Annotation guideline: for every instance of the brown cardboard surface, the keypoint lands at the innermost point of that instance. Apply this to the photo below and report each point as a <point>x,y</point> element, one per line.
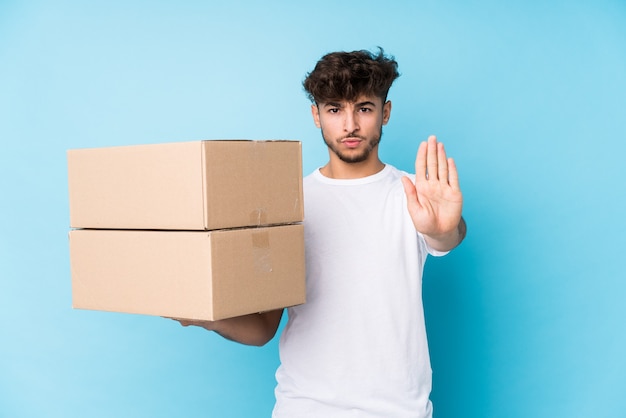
<point>206,275</point>
<point>200,185</point>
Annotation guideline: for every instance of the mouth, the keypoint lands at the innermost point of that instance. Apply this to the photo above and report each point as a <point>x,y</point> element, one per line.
<point>351,142</point>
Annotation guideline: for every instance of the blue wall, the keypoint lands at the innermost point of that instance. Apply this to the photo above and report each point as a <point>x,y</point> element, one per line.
<point>526,318</point>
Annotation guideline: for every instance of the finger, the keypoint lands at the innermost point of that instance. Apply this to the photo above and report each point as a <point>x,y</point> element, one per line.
<point>453,175</point>
<point>420,162</point>
<point>431,158</point>
<point>442,163</point>
<point>411,193</point>
<point>181,321</point>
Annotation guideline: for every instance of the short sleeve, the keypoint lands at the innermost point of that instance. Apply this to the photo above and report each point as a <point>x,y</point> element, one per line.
<point>430,250</point>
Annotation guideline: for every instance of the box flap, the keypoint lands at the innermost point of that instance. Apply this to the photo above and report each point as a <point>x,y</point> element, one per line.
<point>252,183</point>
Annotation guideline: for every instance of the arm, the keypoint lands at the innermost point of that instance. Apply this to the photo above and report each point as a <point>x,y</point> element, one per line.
<point>435,201</point>
<point>254,329</point>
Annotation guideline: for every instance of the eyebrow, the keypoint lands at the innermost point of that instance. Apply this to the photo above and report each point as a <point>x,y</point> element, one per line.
<point>366,103</point>
<point>360,104</point>
<point>332,104</point>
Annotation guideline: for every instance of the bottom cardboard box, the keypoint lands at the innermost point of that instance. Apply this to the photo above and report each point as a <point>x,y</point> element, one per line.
<point>207,275</point>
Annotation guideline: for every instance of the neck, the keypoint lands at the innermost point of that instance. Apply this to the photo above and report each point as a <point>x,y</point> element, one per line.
<point>338,169</point>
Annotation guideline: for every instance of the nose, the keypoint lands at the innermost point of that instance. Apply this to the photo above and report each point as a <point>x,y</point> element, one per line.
<point>351,122</point>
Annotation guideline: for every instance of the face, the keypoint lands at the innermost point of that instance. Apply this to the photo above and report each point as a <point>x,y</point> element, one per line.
<point>352,130</point>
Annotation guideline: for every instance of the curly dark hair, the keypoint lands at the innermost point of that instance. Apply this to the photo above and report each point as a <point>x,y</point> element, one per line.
<point>348,75</point>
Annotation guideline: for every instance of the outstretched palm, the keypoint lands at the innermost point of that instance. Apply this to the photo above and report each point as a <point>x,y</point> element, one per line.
<point>435,200</point>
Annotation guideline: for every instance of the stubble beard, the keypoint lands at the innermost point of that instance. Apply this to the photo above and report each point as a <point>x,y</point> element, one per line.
<point>353,157</point>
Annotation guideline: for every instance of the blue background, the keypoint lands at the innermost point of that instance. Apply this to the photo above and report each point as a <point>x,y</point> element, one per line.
<point>525,319</point>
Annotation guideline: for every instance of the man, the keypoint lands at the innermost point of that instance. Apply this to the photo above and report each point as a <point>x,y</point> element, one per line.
<point>358,346</point>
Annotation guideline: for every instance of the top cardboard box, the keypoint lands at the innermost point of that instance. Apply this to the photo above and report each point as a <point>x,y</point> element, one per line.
<point>200,185</point>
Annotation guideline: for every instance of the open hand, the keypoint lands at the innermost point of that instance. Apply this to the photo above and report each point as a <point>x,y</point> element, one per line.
<point>435,201</point>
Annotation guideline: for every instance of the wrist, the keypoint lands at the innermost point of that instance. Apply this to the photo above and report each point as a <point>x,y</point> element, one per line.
<point>448,240</point>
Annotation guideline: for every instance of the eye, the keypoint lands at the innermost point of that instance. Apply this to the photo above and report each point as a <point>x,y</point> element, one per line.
<point>365,109</point>
<point>333,110</point>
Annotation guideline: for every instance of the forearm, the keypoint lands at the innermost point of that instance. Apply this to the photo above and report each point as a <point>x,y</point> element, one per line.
<point>450,240</point>
<point>253,329</point>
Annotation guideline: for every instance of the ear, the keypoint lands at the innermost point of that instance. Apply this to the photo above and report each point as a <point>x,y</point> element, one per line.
<point>386,112</point>
<point>315,111</point>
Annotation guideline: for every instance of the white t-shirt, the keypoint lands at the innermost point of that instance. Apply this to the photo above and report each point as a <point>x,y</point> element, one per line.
<point>357,347</point>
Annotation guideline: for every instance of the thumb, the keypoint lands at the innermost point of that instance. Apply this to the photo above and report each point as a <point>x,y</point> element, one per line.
<point>410,192</point>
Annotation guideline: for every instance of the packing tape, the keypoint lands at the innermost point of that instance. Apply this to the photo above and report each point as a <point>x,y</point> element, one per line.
<point>258,217</point>
<point>262,252</point>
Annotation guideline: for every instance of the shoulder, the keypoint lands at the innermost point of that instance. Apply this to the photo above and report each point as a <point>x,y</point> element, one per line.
<point>393,180</point>
<point>311,176</point>
<point>311,179</point>
<point>396,173</point>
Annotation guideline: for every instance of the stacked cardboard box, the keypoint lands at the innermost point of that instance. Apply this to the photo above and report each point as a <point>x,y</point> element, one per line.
<point>197,230</point>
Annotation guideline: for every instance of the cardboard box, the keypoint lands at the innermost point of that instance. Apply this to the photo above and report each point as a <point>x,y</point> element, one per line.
<point>200,185</point>
<point>205,275</point>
